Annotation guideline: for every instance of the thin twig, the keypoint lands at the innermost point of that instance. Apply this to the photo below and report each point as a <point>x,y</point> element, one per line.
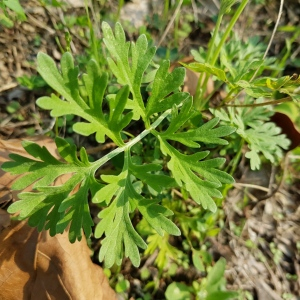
<point>170,23</point>
<point>281,181</point>
<point>272,36</point>
<point>252,186</point>
<point>275,28</point>
<point>287,99</point>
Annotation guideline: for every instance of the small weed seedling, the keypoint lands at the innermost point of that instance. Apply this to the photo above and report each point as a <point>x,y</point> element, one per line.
<point>210,288</point>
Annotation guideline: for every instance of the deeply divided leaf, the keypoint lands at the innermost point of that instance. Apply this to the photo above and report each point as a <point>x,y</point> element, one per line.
<point>121,52</point>
<point>89,108</point>
<point>53,207</point>
<point>201,179</point>
<point>121,238</point>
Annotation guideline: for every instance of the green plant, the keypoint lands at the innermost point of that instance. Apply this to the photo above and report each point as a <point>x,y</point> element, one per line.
<point>166,114</point>
<point>211,287</point>
<point>252,115</point>
<point>241,69</point>
<point>6,18</point>
<point>33,82</point>
<point>255,129</point>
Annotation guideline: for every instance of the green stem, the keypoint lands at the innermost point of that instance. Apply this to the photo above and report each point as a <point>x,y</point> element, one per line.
<point>217,52</point>
<point>199,89</point>
<point>166,10</point>
<point>93,39</point>
<point>121,4</point>
<point>229,97</point>
<point>212,42</point>
<point>228,30</point>
<point>98,163</point>
<point>237,158</point>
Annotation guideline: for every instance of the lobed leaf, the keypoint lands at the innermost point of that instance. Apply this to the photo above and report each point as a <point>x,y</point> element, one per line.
<point>179,119</point>
<point>164,84</point>
<point>57,106</point>
<point>118,230</point>
<point>66,82</point>
<point>155,215</point>
<point>58,207</point>
<point>140,57</point>
<point>90,109</point>
<point>265,139</point>
<point>262,137</point>
<point>116,223</point>
<point>76,213</point>
<point>53,207</point>
<point>156,181</point>
<point>205,133</point>
<point>254,90</point>
<point>185,169</point>
<point>206,67</point>
<point>95,83</point>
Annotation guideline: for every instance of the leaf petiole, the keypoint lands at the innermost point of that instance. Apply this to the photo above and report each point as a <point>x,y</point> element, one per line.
<point>98,163</point>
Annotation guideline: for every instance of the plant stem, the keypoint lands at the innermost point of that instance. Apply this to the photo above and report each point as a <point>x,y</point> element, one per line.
<point>200,86</point>
<point>93,39</point>
<point>98,163</point>
<point>166,10</point>
<point>216,52</point>
<point>121,4</point>
<point>228,30</point>
<point>273,102</point>
<point>237,157</point>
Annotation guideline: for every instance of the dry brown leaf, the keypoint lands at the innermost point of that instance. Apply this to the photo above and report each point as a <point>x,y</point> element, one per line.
<point>287,127</point>
<point>4,219</point>
<point>36,266</point>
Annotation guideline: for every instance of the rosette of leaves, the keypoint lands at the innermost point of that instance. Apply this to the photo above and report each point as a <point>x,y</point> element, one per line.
<point>66,206</point>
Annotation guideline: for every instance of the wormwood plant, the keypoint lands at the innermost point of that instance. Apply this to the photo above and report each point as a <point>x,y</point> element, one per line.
<point>239,68</point>
<point>250,113</point>
<point>167,115</point>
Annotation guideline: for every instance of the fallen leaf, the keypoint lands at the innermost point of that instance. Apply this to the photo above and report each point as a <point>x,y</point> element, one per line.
<point>4,219</point>
<point>35,265</point>
<point>287,127</point>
